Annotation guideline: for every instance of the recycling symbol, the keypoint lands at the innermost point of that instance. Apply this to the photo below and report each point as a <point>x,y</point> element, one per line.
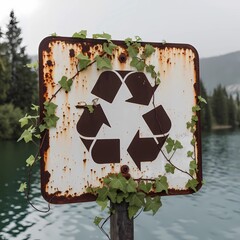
<point>140,149</point>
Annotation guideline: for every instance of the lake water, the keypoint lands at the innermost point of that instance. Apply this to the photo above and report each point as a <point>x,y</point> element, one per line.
<point>211,214</point>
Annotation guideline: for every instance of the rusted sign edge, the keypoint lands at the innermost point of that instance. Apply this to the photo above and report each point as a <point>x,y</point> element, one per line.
<point>55,198</point>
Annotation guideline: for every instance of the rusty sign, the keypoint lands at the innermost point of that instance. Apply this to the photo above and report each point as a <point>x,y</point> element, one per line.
<point>117,117</point>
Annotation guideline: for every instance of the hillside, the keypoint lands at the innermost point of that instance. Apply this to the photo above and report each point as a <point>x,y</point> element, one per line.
<point>224,70</point>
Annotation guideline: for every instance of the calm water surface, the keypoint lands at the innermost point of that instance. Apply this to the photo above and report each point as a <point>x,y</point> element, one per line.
<point>211,214</point>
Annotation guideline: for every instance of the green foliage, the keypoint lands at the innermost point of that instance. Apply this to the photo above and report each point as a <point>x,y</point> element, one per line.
<point>50,119</point>
<point>30,161</point>
<point>27,135</point>
<point>23,187</point>
<point>169,168</point>
<point>22,81</point>
<point>9,126</point>
<point>82,34</point>
<point>161,184</point>
<point>138,64</point>
<point>118,189</point>
<point>65,83</point>
<point>192,184</point>
<point>106,36</point>
<point>103,63</point>
<point>172,145</point>
<point>84,61</point>
<point>109,48</point>
<point>148,51</point>
<point>97,220</point>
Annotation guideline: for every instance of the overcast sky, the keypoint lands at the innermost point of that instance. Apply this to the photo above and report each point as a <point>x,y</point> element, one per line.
<point>211,26</point>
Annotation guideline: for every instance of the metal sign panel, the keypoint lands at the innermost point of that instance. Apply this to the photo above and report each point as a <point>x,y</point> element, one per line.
<point>130,119</point>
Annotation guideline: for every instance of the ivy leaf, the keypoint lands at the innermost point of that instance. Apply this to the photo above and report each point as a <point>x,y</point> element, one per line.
<point>119,182</point>
<point>22,187</point>
<point>145,187</point>
<point>192,183</point>
<point>54,34</point>
<point>82,34</point>
<point>104,35</point>
<point>152,204</point>
<point>83,61</point>
<point>33,65</point>
<point>97,220</point>
<point>189,154</point>
<point>90,108</point>
<point>24,120</point>
<point>202,100</point>
<point>109,48</point>
<point>50,108</point>
<point>150,69</point>
<point>170,144</point>
<point>132,211</point>
<point>169,168</point>
<point>112,194</point>
<point>121,196</point>
<point>66,84</point>
<point>42,127</point>
<point>35,107</point>
<point>27,134</point>
<point>136,199</point>
<point>103,62</point>
<point>194,118</point>
<point>30,161</point>
<point>161,184</point>
<point>196,108</point>
<point>158,81</point>
<point>51,121</point>
<point>148,51</point>
<point>131,186</point>
<point>193,141</point>
<point>133,50</point>
<point>102,204</point>
<point>138,64</point>
<point>102,193</point>
<point>190,125</point>
<point>177,145</point>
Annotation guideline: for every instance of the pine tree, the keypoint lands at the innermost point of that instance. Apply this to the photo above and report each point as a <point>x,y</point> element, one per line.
<point>22,82</point>
<point>206,113</point>
<point>4,71</point>
<point>232,112</point>
<point>219,105</point>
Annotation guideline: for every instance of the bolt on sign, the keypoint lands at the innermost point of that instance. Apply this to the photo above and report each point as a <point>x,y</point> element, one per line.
<point>112,118</point>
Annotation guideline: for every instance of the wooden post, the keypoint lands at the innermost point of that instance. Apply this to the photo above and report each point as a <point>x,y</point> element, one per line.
<point>121,227</point>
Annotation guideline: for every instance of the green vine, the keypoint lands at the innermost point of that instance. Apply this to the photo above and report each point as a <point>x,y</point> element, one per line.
<point>138,193</point>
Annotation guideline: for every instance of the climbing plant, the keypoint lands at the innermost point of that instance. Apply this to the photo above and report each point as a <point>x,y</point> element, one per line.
<point>138,193</point>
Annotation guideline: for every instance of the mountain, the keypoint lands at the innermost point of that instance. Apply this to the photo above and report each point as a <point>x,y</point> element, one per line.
<point>224,70</point>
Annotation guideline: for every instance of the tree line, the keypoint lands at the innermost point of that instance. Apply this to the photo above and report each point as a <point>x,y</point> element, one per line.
<point>18,83</point>
<point>19,89</point>
<point>222,110</point>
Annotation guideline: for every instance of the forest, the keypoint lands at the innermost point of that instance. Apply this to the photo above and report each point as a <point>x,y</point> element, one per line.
<point>19,89</point>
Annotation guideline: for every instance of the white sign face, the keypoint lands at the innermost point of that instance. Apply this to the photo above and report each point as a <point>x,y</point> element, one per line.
<point>112,118</point>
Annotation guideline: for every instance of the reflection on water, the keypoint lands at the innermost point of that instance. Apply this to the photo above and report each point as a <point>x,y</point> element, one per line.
<point>212,213</point>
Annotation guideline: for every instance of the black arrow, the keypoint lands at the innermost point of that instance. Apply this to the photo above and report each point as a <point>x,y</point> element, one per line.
<point>90,123</point>
<point>140,88</point>
<point>145,149</point>
<point>158,120</point>
<point>106,151</point>
<point>107,86</point>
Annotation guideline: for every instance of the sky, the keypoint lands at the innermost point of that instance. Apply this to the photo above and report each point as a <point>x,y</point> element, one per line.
<point>211,26</point>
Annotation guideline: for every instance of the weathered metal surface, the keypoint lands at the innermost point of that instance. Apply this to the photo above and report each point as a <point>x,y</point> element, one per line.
<point>131,119</point>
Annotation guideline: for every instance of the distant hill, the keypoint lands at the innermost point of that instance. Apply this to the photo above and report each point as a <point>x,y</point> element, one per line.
<point>224,70</point>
